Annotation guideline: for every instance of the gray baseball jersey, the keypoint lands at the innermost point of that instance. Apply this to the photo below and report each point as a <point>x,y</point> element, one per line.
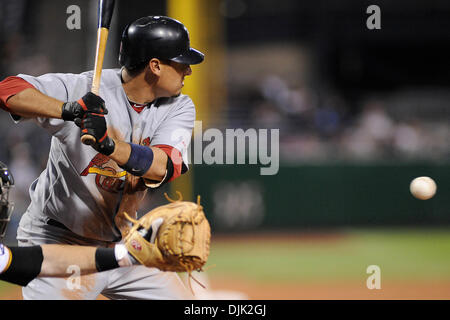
<point>75,189</point>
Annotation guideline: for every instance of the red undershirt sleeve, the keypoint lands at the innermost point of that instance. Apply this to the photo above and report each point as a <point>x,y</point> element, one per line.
<point>174,155</point>
<point>10,87</point>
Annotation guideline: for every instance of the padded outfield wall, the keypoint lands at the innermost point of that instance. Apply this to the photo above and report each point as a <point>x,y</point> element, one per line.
<point>305,197</point>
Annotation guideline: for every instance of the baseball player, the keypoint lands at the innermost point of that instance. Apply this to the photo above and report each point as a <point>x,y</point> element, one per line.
<point>142,124</point>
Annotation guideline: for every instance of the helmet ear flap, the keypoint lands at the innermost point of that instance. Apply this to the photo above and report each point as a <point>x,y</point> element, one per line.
<point>122,54</point>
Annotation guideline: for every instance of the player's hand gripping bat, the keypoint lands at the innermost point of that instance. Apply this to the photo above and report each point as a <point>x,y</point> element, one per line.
<point>105,13</point>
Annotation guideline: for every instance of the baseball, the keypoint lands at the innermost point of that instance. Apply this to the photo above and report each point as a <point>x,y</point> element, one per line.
<point>423,188</point>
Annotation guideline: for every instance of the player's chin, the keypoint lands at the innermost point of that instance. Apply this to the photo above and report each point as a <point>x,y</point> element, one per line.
<point>171,94</point>
<point>177,93</point>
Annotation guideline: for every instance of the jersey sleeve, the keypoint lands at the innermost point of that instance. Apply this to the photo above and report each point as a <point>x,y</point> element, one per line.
<point>64,87</point>
<point>176,130</point>
<point>10,87</point>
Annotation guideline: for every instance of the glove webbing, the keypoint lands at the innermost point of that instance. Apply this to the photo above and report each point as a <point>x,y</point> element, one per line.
<point>188,266</point>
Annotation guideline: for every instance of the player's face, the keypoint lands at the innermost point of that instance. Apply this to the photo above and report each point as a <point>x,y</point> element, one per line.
<point>171,79</point>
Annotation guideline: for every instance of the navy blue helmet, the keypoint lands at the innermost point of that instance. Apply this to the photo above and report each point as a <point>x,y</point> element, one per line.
<point>156,37</point>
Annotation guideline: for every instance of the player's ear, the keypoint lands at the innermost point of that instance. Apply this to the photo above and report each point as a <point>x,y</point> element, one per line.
<point>155,66</point>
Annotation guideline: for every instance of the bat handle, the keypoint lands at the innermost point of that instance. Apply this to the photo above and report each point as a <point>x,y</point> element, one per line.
<point>88,140</point>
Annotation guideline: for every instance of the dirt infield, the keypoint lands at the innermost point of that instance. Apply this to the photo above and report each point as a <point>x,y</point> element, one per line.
<point>334,291</point>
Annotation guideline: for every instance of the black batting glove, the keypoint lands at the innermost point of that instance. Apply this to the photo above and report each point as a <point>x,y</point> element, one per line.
<point>94,124</point>
<point>89,103</point>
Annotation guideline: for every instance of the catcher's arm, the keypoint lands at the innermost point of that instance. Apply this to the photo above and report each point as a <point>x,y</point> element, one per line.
<point>57,258</point>
<point>20,265</point>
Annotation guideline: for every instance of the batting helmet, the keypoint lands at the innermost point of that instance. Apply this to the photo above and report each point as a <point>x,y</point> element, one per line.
<point>6,206</point>
<point>156,37</point>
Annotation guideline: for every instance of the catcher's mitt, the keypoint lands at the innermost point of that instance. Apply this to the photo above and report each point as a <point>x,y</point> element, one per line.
<point>174,237</point>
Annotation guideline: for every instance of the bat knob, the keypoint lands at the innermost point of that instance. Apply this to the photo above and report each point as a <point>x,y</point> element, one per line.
<point>88,140</point>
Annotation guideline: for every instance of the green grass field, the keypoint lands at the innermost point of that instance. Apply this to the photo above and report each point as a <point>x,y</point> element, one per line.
<point>401,255</point>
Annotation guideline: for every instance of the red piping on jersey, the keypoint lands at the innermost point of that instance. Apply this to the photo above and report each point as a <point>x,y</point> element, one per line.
<point>10,87</point>
<point>174,155</point>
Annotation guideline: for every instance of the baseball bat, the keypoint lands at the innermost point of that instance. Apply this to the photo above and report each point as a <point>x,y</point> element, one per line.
<point>105,13</point>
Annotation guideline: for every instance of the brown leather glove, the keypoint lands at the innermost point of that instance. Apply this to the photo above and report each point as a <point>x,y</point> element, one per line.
<point>174,237</point>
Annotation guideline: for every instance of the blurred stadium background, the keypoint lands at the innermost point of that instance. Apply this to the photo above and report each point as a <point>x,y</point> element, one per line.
<point>360,112</point>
